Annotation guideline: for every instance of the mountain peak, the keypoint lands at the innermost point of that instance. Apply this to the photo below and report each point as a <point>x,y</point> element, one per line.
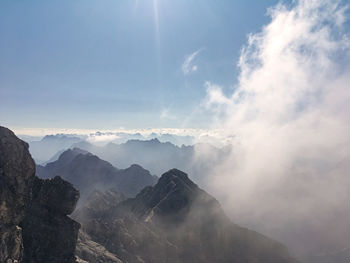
<point>155,140</point>
<point>135,167</point>
<point>88,172</point>
<point>176,221</point>
<point>171,196</point>
<point>177,177</point>
<point>64,159</point>
<point>72,153</point>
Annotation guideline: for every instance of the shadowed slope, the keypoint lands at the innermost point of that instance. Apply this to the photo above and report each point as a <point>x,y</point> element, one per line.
<point>176,221</point>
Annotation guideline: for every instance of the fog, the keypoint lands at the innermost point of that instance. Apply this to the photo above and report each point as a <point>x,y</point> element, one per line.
<point>288,175</point>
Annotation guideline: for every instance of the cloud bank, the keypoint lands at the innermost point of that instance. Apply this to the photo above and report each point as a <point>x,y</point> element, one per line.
<point>288,175</point>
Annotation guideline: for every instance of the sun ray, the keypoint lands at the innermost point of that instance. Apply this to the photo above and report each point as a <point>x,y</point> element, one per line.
<point>156,20</point>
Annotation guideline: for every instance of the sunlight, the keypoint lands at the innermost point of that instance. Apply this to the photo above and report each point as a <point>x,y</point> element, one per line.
<point>156,20</point>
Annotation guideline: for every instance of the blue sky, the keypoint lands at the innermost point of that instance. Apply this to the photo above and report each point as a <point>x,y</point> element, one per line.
<point>118,63</point>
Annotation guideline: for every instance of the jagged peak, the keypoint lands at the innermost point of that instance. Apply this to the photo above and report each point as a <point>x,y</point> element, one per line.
<point>151,141</point>
<point>176,176</point>
<point>173,193</point>
<point>67,156</point>
<point>74,151</point>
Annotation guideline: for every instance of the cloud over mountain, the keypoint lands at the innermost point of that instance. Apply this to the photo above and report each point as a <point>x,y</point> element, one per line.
<point>290,116</point>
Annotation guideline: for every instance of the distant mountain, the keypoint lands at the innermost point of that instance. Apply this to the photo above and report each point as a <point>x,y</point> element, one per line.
<point>173,138</point>
<point>45,149</point>
<point>48,146</point>
<point>88,172</point>
<point>173,221</point>
<point>122,137</point>
<point>199,160</point>
<point>54,158</point>
<point>29,138</point>
<point>157,152</point>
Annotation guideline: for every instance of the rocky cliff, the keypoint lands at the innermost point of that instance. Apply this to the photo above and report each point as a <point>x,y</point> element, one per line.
<point>34,226</point>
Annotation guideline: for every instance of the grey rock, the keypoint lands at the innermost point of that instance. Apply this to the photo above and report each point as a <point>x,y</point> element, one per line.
<point>92,252</point>
<point>56,194</point>
<point>34,226</point>
<point>11,245</point>
<point>17,172</point>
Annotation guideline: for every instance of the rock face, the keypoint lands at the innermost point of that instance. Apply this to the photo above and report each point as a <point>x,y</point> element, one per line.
<point>48,234</point>
<point>17,171</point>
<point>176,221</point>
<point>34,226</point>
<point>93,252</point>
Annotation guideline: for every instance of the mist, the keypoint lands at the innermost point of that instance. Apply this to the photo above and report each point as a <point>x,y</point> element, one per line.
<point>289,115</point>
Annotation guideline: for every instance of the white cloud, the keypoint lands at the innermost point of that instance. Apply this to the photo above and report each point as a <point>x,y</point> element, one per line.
<point>215,97</point>
<point>101,137</point>
<point>111,133</point>
<point>289,173</point>
<point>188,66</point>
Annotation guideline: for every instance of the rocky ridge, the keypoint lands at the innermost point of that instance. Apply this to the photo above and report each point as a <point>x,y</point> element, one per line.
<point>176,221</point>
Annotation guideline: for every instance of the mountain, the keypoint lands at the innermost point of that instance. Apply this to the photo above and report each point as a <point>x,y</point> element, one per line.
<point>87,173</point>
<point>48,146</point>
<point>199,160</point>
<point>173,138</point>
<point>102,138</point>
<point>34,226</point>
<point>29,138</point>
<point>175,221</point>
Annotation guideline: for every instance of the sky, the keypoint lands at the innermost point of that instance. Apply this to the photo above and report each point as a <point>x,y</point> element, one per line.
<point>113,64</point>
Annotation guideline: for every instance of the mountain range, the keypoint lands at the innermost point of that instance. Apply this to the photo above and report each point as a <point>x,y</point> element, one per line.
<point>44,149</point>
<point>87,173</point>
<point>48,148</point>
<point>170,221</point>
<point>198,160</point>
